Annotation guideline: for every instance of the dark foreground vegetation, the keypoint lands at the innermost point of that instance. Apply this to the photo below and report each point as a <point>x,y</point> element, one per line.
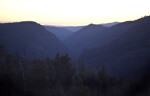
<point>58,77</point>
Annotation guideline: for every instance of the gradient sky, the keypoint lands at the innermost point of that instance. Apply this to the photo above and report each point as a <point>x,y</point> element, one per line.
<point>72,12</point>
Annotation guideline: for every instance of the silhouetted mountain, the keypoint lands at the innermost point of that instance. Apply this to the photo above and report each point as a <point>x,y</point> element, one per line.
<point>29,39</point>
<point>77,28</point>
<point>110,24</point>
<point>61,33</point>
<point>95,35</point>
<point>84,38</point>
<point>128,54</point>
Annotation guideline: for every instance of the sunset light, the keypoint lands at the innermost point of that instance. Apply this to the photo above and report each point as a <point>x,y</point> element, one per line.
<point>72,12</point>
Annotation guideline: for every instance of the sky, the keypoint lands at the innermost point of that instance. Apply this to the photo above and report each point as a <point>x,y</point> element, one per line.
<point>72,12</point>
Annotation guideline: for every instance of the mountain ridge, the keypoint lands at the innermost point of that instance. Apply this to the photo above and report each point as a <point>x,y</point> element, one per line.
<point>128,54</point>
<point>78,40</point>
<point>31,39</point>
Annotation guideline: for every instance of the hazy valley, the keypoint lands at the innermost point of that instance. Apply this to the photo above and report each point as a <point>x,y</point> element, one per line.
<point>92,60</point>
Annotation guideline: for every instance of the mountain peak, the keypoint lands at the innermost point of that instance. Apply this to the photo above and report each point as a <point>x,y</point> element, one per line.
<point>91,24</point>
<point>22,22</point>
<point>30,39</point>
<point>94,25</point>
<point>29,22</point>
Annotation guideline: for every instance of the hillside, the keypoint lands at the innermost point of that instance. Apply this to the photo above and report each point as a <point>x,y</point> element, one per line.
<point>29,39</point>
<point>128,54</point>
<point>95,35</point>
<point>60,33</point>
<point>82,38</point>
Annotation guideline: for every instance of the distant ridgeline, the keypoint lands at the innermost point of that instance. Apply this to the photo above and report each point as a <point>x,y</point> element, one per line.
<point>61,33</point>
<point>123,48</point>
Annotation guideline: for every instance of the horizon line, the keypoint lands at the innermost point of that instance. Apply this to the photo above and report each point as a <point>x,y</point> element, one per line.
<point>71,25</point>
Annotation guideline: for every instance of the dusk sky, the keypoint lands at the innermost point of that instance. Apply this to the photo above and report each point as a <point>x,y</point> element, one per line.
<point>72,12</point>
